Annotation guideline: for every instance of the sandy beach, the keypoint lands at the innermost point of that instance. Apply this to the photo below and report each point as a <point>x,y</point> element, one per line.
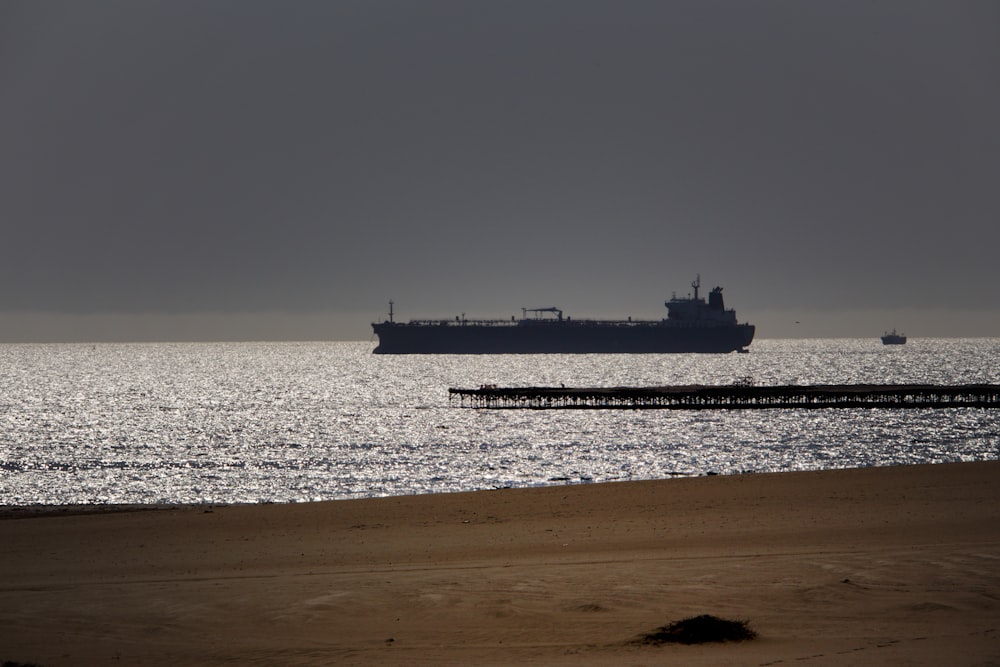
<point>878,566</point>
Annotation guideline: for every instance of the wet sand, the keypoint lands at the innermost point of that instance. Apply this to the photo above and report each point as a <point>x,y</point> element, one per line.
<point>878,566</point>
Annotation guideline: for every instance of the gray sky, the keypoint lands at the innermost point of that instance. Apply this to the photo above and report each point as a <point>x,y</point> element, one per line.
<point>252,169</point>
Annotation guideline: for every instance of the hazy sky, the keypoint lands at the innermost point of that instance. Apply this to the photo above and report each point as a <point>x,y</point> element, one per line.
<point>249,169</point>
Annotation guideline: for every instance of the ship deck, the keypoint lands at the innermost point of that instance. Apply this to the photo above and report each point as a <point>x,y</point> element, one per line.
<point>742,395</point>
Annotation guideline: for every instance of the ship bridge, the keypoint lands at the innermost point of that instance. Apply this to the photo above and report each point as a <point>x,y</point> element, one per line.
<point>694,308</point>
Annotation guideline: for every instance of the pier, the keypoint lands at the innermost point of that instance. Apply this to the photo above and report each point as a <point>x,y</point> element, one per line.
<point>743,395</point>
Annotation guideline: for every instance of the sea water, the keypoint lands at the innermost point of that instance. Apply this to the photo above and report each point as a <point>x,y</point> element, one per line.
<point>290,422</point>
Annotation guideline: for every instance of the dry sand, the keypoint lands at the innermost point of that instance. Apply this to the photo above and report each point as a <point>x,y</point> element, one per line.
<point>880,566</point>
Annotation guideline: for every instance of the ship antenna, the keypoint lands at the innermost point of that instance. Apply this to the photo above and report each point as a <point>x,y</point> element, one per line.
<point>696,284</point>
<point>390,310</point>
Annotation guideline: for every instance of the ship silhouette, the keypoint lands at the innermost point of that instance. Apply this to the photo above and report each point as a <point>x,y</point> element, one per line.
<point>692,325</point>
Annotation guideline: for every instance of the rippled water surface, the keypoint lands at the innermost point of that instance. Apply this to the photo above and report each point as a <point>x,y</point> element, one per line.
<point>274,422</point>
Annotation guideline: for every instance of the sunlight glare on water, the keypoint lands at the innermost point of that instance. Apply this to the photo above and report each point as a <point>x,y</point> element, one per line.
<point>279,422</point>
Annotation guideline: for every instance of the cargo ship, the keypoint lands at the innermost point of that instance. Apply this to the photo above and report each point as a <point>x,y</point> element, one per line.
<point>692,325</point>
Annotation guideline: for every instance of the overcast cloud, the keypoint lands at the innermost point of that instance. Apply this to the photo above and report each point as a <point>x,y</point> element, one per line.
<point>280,170</point>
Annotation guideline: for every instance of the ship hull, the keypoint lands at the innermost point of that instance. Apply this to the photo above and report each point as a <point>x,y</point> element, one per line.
<point>560,338</point>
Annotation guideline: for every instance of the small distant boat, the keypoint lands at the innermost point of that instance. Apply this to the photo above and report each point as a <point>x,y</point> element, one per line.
<point>893,338</point>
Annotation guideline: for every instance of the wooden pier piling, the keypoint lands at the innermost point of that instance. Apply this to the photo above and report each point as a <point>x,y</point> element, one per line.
<point>739,396</point>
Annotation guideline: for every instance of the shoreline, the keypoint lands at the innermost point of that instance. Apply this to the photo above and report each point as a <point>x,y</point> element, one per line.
<point>42,510</point>
<point>887,565</point>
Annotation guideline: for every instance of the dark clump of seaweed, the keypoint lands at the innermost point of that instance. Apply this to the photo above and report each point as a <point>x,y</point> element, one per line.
<point>699,630</point>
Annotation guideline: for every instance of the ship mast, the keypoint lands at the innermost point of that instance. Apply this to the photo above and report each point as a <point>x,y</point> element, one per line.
<point>390,310</point>
<point>696,284</point>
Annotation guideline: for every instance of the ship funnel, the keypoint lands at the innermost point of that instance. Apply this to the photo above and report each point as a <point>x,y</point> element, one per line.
<point>715,299</point>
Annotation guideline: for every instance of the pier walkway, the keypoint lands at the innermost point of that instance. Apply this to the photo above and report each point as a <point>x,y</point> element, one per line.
<point>740,396</point>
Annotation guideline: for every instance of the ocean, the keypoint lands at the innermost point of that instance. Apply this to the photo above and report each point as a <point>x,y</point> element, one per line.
<point>296,422</point>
